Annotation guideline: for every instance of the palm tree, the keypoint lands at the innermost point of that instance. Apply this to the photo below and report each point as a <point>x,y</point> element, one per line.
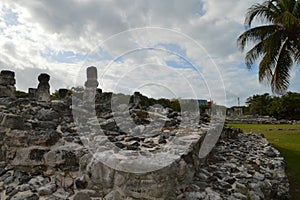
<point>276,42</point>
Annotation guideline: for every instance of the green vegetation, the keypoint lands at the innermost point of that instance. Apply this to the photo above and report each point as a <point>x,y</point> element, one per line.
<point>21,94</point>
<point>55,94</point>
<point>286,138</point>
<point>276,41</point>
<point>284,107</point>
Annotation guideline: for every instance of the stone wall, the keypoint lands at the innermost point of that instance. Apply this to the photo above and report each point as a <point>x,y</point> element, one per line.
<point>247,119</point>
<point>43,156</point>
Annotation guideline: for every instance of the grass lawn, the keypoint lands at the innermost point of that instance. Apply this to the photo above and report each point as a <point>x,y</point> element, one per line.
<point>286,138</point>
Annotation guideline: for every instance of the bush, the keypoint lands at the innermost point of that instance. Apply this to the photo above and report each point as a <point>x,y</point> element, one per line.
<point>21,94</point>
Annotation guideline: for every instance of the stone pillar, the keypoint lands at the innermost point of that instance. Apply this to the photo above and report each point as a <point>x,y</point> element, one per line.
<point>137,100</point>
<point>32,93</point>
<point>43,90</point>
<point>7,84</point>
<point>63,93</point>
<point>90,85</point>
<point>92,76</point>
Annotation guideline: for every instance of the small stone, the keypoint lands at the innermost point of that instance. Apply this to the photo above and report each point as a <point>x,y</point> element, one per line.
<point>254,196</point>
<point>230,180</point>
<point>22,196</point>
<point>12,121</point>
<point>195,195</point>
<point>24,187</point>
<point>259,176</point>
<point>82,196</point>
<point>47,189</point>
<point>9,190</point>
<point>113,195</point>
<point>202,176</point>
<point>212,194</point>
<point>270,153</point>
<point>120,145</point>
<point>162,140</point>
<point>81,183</point>
<point>240,196</point>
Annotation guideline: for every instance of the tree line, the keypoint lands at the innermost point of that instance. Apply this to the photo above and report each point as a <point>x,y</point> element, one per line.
<point>280,107</point>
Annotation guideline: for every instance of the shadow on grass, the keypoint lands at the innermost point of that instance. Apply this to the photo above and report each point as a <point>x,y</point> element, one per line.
<point>293,171</point>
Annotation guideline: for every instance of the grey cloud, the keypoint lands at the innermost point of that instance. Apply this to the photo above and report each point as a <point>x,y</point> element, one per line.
<point>80,25</point>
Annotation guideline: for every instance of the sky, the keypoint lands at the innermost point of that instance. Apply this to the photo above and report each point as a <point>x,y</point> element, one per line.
<point>171,48</point>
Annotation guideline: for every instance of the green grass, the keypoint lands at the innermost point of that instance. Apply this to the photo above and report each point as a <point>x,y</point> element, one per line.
<point>286,138</point>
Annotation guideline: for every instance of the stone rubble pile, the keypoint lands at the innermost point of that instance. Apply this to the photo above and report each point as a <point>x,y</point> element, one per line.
<point>241,166</point>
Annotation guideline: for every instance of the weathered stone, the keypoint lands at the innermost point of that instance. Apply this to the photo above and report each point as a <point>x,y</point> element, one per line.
<point>63,93</point>
<point>82,196</point>
<point>81,183</point>
<point>32,93</point>
<point>12,121</point>
<point>7,84</point>
<point>47,115</point>
<point>92,75</point>
<point>43,89</point>
<point>47,189</point>
<point>44,125</point>
<point>27,196</point>
<point>18,138</point>
<point>101,174</point>
<point>113,195</point>
<point>7,91</point>
<point>32,156</point>
<point>64,158</point>
<point>7,77</point>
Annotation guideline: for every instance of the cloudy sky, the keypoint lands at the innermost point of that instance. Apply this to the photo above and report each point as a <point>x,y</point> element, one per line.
<point>170,48</point>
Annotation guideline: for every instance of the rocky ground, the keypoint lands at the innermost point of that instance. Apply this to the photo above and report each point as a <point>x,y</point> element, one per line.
<point>43,157</point>
<point>241,166</point>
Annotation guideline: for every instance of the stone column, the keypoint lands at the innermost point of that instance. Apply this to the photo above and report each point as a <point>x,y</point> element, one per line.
<point>137,100</point>
<point>32,93</point>
<point>7,84</point>
<point>43,90</point>
<point>63,93</point>
<point>90,85</point>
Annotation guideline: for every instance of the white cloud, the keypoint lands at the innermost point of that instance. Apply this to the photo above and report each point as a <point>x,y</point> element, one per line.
<point>47,28</point>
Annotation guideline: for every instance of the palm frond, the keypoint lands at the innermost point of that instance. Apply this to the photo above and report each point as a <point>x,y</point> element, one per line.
<point>287,18</point>
<point>272,47</point>
<point>277,43</point>
<point>296,10</point>
<point>253,54</point>
<point>281,74</point>
<point>255,34</point>
<point>266,11</point>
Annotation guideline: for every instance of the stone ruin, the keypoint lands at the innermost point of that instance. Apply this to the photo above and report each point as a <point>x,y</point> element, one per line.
<point>7,84</point>
<point>63,93</point>
<point>63,149</point>
<point>91,85</point>
<point>43,89</point>
<point>42,92</point>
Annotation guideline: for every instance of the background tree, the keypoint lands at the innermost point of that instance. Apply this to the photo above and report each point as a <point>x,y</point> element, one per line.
<point>284,107</point>
<point>259,103</point>
<point>276,42</point>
